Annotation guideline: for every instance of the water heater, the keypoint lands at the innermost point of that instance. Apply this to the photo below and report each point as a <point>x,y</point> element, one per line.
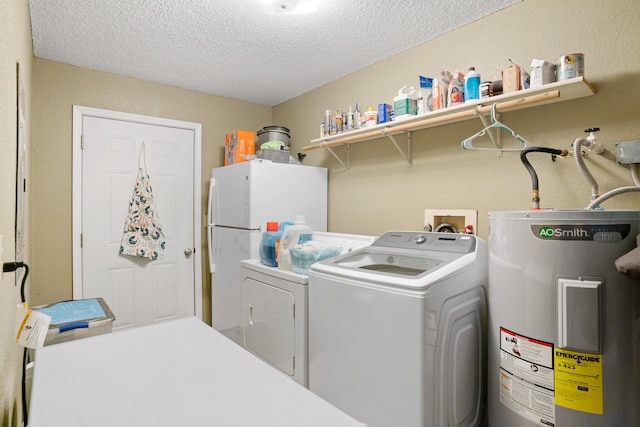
<point>564,324</point>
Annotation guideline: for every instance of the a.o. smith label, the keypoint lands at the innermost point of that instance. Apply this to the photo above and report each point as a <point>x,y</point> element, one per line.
<point>604,233</point>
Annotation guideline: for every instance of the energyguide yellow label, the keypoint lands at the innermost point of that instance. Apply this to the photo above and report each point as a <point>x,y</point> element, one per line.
<point>578,380</point>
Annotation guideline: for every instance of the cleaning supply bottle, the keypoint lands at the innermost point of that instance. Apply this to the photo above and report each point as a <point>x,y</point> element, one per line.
<point>471,85</point>
<point>406,103</point>
<point>269,245</point>
<point>436,95</point>
<point>294,234</point>
<point>425,101</point>
<point>456,90</point>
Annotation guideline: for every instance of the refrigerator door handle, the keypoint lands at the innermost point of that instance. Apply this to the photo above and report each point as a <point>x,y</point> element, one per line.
<point>212,265</point>
<point>213,243</point>
<point>210,219</point>
<point>210,204</point>
<point>231,227</point>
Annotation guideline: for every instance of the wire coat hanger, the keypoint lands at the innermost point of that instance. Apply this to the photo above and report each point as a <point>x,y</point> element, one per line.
<point>467,143</point>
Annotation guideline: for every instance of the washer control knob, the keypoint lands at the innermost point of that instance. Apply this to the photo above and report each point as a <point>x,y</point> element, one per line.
<point>420,239</point>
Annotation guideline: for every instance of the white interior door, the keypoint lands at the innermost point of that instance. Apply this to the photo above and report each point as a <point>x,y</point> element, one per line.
<point>137,290</point>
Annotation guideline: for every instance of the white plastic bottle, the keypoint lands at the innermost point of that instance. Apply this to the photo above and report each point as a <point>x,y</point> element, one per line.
<point>471,85</point>
<point>299,232</point>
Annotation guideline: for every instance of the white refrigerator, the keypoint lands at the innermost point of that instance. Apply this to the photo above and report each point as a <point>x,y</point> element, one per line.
<point>242,198</point>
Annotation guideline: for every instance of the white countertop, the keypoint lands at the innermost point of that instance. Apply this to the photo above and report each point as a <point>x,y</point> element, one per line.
<point>175,373</point>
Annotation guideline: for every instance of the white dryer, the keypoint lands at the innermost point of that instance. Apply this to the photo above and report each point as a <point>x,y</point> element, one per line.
<point>397,330</point>
<point>275,326</point>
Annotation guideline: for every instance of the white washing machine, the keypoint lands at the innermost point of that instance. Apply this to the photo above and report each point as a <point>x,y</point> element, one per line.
<point>397,330</point>
<point>275,326</point>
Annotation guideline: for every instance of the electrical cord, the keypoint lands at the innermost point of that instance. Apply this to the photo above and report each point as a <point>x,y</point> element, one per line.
<point>10,267</point>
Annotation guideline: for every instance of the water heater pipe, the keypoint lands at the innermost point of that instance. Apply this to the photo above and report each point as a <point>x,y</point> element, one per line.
<point>578,143</point>
<point>534,176</point>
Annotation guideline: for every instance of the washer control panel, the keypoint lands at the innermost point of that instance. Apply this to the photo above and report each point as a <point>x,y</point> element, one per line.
<point>424,241</point>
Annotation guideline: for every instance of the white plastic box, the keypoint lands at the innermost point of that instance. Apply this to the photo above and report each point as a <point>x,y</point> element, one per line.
<point>76,319</point>
<point>278,156</point>
<point>542,72</point>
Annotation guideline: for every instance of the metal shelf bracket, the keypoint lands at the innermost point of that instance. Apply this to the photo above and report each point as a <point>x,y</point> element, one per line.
<point>406,156</point>
<point>344,165</point>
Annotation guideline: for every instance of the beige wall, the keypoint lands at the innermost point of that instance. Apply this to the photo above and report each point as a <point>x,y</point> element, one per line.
<point>56,88</point>
<point>381,193</point>
<point>15,47</point>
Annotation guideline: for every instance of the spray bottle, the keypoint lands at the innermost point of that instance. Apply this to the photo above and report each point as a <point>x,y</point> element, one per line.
<point>456,89</point>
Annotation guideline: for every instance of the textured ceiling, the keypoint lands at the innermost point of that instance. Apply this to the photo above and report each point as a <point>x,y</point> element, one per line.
<point>237,49</point>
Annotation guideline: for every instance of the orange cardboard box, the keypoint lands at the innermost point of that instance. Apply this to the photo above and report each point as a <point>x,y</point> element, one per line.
<point>511,79</point>
<point>237,144</point>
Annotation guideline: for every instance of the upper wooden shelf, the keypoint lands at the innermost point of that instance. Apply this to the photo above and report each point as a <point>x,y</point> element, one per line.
<point>564,90</point>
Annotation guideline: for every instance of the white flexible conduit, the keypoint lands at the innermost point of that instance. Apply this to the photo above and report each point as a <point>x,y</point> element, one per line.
<point>620,190</point>
<point>577,153</point>
<point>634,174</point>
<point>610,194</point>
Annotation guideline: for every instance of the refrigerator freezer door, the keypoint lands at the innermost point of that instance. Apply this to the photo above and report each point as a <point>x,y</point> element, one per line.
<point>280,192</point>
<point>230,196</point>
<point>251,193</point>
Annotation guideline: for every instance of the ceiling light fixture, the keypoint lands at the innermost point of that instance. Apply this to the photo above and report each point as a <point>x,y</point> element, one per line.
<point>290,7</point>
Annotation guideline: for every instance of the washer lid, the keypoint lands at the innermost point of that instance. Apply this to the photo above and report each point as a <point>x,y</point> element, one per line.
<point>393,262</point>
<point>405,259</point>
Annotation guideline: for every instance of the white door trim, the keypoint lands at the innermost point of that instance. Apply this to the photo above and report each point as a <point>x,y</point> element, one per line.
<point>78,113</point>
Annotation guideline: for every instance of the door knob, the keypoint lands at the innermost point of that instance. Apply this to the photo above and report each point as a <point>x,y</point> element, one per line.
<point>188,252</point>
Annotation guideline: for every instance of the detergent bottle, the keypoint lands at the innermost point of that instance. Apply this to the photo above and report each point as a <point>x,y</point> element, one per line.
<point>456,90</point>
<point>406,103</point>
<point>471,85</point>
<point>269,245</point>
<point>292,235</point>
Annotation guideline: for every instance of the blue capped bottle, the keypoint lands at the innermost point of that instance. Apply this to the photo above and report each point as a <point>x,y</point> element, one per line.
<point>471,85</point>
<point>269,245</point>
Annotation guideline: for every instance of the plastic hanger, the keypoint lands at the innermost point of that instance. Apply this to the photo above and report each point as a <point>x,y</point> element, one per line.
<point>467,144</point>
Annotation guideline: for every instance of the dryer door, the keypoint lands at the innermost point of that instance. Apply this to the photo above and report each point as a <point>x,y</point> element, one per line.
<point>269,328</point>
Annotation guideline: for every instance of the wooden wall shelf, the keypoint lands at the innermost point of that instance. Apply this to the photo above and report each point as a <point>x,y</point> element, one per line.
<point>564,90</point>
